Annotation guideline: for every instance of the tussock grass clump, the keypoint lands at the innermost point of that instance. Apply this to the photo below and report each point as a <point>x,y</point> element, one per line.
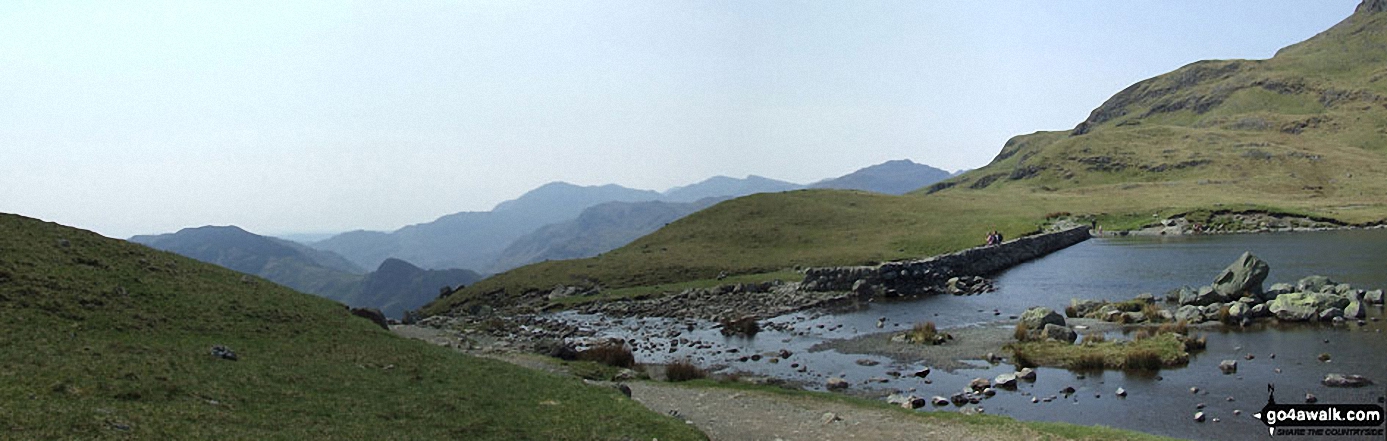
<point>1093,338</point>
<point>925,333</point>
<point>610,354</point>
<point>1143,334</point>
<point>1152,313</point>
<point>684,370</point>
<point>1022,333</point>
<point>1142,359</point>
<point>1088,361</point>
<point>1154,352</point>
<point>1181,327</point>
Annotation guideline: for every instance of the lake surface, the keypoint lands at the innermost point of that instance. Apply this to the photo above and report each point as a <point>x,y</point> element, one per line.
<point>1113,269</point>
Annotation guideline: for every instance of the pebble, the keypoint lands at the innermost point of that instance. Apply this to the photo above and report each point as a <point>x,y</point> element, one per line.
<point>1194,390</point>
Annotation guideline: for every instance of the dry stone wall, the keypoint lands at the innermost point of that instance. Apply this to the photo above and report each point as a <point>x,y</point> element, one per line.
<point>929,275</point>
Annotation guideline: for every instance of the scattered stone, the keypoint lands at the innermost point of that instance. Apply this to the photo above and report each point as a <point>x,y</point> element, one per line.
<point>867,362</point>
<point>922,373</point>
<point>939,401</point>
<point>625,390</point>
<point>1035,400</point>
<point>1036,318</point>
<point>979,384</point>
<point>989,392</point>
<point>1310,398</point>
<point>224,353</point>
<point>1068,390</point>
<point>1199,406</point>
<point>1005,381</point>
<point>1027,374</point>
<point>958,398</point>
<point>1194,390</point>
<point>1121,393</point>
<point>1249,356</point>
<point>1199,417</point>
<point>1237,412</point>
<point>1228,366</point>
<point>829,418</point>
<point>836,383</point>
<point>1341,380</point>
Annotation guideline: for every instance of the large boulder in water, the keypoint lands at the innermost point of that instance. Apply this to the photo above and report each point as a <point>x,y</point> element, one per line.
<point>1036,318</point>
<point>1295,307</point>
<point>1243,277</point>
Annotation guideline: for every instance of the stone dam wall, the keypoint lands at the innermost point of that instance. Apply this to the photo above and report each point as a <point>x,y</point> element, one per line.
<point>930,275</point>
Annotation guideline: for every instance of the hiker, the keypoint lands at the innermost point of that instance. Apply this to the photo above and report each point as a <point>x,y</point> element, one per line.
<point>999,237</point>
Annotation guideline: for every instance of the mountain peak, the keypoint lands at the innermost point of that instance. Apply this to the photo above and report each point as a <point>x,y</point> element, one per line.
<point>1371,7</point>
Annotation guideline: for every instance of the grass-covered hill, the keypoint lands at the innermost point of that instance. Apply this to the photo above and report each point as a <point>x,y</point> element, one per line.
<point>1302,133</point>
<point>108,339</point>
<point>394,287</point>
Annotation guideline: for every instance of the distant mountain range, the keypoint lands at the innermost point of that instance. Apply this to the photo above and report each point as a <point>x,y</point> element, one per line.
<point>519,232</point>
<point>890,177</point>
<point>394,288</point>
<point>553,222</point>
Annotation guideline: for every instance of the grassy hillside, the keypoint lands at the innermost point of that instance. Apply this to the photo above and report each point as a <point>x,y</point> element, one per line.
<point>1302,133</point>
<point>108,339</point>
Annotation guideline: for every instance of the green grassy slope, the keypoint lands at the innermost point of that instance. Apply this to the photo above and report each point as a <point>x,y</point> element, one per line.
<point>107,339</point>
<point>1304,132</point>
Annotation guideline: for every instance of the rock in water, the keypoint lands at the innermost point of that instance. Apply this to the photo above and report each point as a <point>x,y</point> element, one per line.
<point>1314,284</point>
<point>939,401</point>
<point>1294,307</point>
<point>1189,314</point>
<point>1373,297</point>
<point>1122,393</point>
<point>1243,276</point>
<point>1355,310</point>
<point>1341,380</point>
<point>836,383</point>
<point>1199,416</point>
<point>1027,374</point>
<point>1005,381</point>
<point>979,384</point>
<point>1228,366</point>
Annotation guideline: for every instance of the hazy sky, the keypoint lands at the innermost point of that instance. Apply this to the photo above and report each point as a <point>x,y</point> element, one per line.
<point>133,117</point>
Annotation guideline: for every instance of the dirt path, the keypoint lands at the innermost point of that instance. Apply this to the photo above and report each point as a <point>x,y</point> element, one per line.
<point>726,414</point>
